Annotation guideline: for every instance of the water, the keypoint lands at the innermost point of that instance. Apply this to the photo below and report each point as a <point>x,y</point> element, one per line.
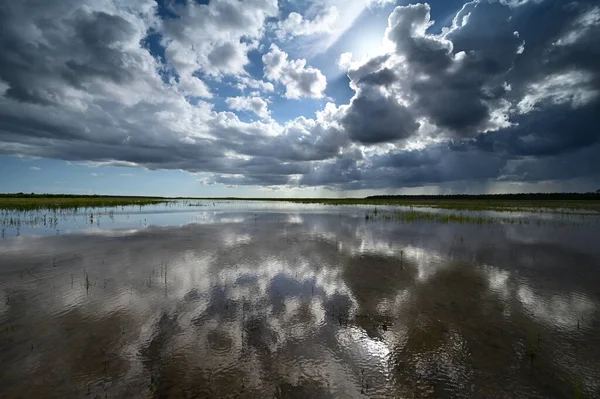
<point>264,300</point>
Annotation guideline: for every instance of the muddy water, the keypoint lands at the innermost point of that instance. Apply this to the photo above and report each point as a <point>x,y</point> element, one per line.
<point>304,302</point>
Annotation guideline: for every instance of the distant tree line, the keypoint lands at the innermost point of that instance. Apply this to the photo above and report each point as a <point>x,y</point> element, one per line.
<point>521,196</point>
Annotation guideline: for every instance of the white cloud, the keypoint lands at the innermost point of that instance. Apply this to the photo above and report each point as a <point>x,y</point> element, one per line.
<point>348,13</point>
<point>215,38</point>
<point>3,87</point>
<point>254,104</point>
<point>245,82</point>
<point>193,86</point>
<point>296,25</point>
<point>572,87</point>
<point>35,168</point>
<point>344,62</point>
<point>518,3</point>
<point>206,181</point>
<point>580,27</point>
<point>299,80</point>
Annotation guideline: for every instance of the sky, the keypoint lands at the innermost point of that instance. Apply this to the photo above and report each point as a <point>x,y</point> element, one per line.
<point>307,98</point>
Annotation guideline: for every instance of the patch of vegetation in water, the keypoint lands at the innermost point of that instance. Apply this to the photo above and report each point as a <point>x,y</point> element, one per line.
<point>415,216</point>
<point>469,205</point>
<point>24,202</point>
<point>559,203</point>
<point>481,219</point>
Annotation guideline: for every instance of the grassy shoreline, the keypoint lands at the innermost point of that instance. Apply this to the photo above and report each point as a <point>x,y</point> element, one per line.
<point>543,203</point>
<point>465,203</point>
<point>32,202</point>
<point>469,204</point>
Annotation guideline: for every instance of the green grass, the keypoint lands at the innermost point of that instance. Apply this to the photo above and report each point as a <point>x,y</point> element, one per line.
<point>553,203</point>
<point>578,203</point>
<point>459,204</point>
<point>32,202</point>
<point>415,216</point>
<point>577,387</point>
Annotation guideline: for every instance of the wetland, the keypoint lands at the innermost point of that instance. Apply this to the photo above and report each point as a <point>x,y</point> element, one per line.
<point>299,299</point>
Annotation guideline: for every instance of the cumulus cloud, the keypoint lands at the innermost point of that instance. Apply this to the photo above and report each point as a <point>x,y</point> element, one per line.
<point>296,25</point>
<point>455,80</point>
<point>215,37</point>
<point>374,118</point>
<point>245,82</point>
<point>52,54</point>
<point>193,86</point>
<point>486,90</point>
<point>345,61</point>
<point>299,79</point>
<point>299,141</point>
<point>253,104</point>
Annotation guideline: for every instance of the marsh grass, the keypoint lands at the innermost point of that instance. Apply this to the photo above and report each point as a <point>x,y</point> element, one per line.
<point>466,203</point>
<point>577,388</point>
<point>481,219</point>
<point>87,282</point>
<point>17,212</point>
<point>532,346</point>
<point>415,216</point>
<point>47,201</point>
<point>554,203</point>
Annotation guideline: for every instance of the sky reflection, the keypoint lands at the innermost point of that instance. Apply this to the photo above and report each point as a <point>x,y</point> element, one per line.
<point>311,304</point>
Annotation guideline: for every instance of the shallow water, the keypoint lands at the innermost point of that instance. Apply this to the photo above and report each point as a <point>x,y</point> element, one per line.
<point>263,300</point>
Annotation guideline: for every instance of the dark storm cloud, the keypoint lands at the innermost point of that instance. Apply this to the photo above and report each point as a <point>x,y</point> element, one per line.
<point>533,88</point>
<point>555,130</point>
<point>46,50</point>
<point>434,164</point>
<point>342,171</point>
<point>383,77</point>
<point>251,180</point>
<point>373,118</point>
<point>300,143</point>
<point>583,163</point>
<point>454,85</point>
<point>487,24</point>
<point>489,57</point>
<point>558,36</point>
<point>406,30</point>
